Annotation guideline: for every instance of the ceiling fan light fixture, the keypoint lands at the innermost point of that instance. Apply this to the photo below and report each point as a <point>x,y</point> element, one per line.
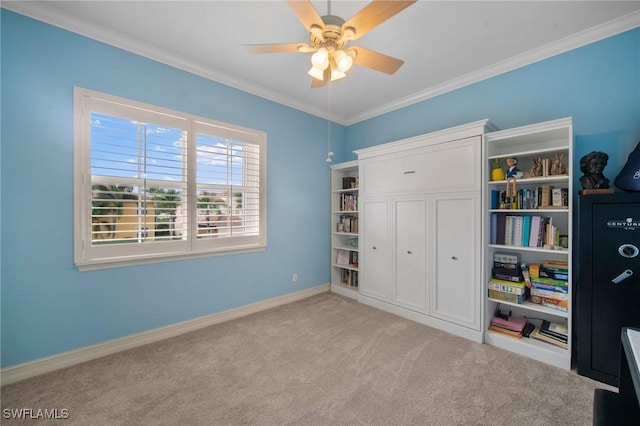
<point>320,59</point>
<point>336,74</point>
<point>316,73</point>
<point>343,61</point>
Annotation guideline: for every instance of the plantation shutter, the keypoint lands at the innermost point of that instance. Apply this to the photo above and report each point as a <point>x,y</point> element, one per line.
<point>138,162</point>
<point>228,185</point>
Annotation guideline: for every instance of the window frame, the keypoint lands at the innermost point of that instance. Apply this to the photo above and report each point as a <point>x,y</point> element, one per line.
<point>88,256</point>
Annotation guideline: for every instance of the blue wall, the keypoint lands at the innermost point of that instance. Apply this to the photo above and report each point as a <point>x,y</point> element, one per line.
<point>598,85</point>
<point>48,307</point>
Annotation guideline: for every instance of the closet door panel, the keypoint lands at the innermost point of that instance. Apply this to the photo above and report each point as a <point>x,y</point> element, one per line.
<point>410,217</point>
<point>455,289</point>
<point>374,249</point>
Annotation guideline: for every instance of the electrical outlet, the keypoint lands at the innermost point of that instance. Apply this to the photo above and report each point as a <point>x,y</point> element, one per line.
<point>295,277</point>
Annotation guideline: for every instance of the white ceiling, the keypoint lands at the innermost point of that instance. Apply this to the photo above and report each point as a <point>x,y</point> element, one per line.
<point>445,44</point>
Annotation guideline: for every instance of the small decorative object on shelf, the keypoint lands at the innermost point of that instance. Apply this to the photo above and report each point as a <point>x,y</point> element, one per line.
<point>536,169</point>
<point>592,165</point>
<point>558,167</point>
<point>496,171</point>
<point>629,177</point>
<point>513,171</point>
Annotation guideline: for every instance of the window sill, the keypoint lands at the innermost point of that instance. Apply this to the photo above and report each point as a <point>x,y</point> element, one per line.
<point>98,264</point>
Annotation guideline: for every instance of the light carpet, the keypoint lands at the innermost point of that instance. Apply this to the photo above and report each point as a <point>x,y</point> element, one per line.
<point>325,360</point>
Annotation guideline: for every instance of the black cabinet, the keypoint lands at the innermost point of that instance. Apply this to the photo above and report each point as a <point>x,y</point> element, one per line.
<point>608,280</point>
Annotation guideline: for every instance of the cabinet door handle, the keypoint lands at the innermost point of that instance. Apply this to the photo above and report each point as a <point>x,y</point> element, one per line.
<point>454,258</point>
<point>409,172</point>
<point>374,247</point>
<point>408,251</point>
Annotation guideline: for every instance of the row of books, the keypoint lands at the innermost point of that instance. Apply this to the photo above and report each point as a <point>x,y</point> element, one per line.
<point>349,278</point>
<point>347,258</point>
<point>524,231</point>
<point>551,332</point>
<point>545,196</point>
<point>348,202</point>
<point>545,284</point>
<point>550,285</point>
<point>517,327</point>
<point>348,224</point>
<point>507,282</point>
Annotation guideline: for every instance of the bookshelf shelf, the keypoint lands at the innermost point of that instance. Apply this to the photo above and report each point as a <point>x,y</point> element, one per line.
<point>549,143</point>
<point>344,215</point>
<point>528,306</point>
<point>531,249</point>
<point>536,180</point>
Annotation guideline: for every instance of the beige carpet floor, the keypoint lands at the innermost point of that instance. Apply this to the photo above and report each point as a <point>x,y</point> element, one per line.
<point>325,360</point>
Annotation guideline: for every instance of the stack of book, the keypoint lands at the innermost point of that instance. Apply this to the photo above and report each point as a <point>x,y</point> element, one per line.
<point>506,283</point>
<point>551,332</point>
<point>508,324</point>
<point>549,284</point>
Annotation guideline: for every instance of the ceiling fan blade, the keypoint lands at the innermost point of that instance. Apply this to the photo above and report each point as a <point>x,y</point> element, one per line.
<point>374,14</point>
<point>275,48</point>
<point>306,13</point>
<point>315,83</point>
<point>377,61</point>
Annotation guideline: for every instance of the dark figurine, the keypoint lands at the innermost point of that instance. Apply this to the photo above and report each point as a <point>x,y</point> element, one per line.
<point>592,165</point>
<point>629,177</point>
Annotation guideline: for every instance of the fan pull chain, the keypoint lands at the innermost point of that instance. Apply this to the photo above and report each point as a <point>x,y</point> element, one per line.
<point>329,152</point>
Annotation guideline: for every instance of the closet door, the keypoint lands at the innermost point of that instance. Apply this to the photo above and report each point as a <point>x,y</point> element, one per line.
<point>409,221</point>
<point>455,232</point>
<point>374,249</point>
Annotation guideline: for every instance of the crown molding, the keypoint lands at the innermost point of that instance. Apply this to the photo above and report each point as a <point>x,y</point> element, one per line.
<point>42,12</point>
<point>583,38</point>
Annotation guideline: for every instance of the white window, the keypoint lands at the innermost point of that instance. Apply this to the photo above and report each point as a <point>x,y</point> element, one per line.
<point>153,184</point>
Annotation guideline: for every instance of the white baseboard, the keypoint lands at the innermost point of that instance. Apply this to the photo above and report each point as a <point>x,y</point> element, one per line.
<point>29,369</point>
<point>458,330</point>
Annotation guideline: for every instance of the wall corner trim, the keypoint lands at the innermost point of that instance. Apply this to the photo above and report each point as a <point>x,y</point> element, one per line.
<point>48,364</point>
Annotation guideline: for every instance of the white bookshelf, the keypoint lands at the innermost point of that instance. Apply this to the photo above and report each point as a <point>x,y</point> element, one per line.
<point>542,140</point>
<point>344,229</point>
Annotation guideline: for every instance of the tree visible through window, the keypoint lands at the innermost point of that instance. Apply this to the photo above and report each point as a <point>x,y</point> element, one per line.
<point>155,183</point>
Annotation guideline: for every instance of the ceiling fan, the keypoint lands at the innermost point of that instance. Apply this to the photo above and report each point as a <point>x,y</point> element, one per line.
<point>329,36</point>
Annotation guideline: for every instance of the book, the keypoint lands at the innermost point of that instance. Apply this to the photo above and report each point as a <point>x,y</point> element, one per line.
<point>504,331</point>
<point>507,275</point>
<point>508,231</point>
<point>507,297</point>
<point>342,257</point>
<point>556,265</point>
<point>518,228</point>
<point>508,266</point>
<point>545,196</point>
<point>542,281</point>
<point>511,322</point>
<point>560,305</point>
<point>500,232</point>
<point>506,257</point>
<point>537,335</point>
<point>534,270</point>
<point>494,229</point>
<point>547,273</point>
<point>556,197</point>
<point>555,330</point>
<point>526,230</point>
<point>550,294</point>
<point>506,286</point>
<point>534,231</point>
